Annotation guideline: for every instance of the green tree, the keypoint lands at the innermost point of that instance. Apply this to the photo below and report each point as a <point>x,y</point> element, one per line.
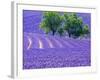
<point>73,24</point>
<point>51,22</point>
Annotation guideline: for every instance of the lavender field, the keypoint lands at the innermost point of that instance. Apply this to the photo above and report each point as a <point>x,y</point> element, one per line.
<point>47,51</point>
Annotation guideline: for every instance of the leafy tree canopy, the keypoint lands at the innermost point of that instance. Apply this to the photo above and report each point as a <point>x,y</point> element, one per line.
<point>51,22</point>
<point>63,23</point>
<point>73,24</point>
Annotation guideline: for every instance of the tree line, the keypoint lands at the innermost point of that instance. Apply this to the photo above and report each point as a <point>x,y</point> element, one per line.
<point>62,23</point>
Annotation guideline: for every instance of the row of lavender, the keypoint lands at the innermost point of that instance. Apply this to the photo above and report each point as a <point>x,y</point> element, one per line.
<point>32,40</point>
<point>72,53</point>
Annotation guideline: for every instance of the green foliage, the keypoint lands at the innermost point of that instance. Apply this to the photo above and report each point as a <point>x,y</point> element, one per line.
<point>51,22</point>
<point>85,29</point>
<point>61,31</point>
<point>63,23</point>
<point>73,24</point>
<point>43,25</point>
<point>65,19</point>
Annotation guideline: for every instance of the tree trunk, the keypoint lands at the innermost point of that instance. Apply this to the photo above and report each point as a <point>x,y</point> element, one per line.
<point>69,34</point>
<point>53,33</point>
